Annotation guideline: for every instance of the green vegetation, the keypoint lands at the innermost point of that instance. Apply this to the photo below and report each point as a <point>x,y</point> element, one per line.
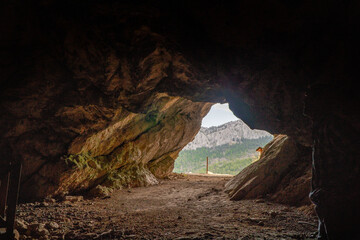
<point>85,160</point>
<point>226,159</point>
<point>232,167</point>
<point>105,167</point>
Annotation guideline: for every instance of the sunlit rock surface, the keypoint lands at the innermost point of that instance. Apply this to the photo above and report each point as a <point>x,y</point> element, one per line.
<point>275,174</point>
<point>228,133</point>
<point>80,147</point>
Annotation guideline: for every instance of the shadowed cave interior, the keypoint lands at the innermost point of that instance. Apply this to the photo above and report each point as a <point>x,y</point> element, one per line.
<point>105,94</point>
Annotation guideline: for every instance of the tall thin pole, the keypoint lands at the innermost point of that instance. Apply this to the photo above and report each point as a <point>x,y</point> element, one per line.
<point>207,165</point>
<point>14,187</point>
<point>3,193</point>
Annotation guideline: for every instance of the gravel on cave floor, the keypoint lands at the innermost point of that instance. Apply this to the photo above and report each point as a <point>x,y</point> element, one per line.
<point>184,207</point>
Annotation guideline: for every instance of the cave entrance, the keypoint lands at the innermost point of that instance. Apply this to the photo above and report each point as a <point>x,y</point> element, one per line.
<point>224,145</point>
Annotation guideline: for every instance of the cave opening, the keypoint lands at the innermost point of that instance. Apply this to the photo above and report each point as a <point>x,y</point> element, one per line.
<point>223,145</point>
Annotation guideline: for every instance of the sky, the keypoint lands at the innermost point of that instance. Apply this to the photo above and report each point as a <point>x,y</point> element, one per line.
<point>218,114</point>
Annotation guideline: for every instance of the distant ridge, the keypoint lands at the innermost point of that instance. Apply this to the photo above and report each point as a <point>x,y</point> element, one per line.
<point>228,133</point>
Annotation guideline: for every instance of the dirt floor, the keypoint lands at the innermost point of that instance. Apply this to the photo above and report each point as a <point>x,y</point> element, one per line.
<point>189,207</point>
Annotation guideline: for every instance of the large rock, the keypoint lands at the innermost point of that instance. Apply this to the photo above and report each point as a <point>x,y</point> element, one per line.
<point>110,146</point>
<point>275,173</point>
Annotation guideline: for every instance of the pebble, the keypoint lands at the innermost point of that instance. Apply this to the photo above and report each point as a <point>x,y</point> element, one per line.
<point>50,200</point>
<point>37,229</point>
<point>73,199</point>
<point>45,204</point>
<point>52,225</point>
<point>16,235</point>
<point>21,225</point>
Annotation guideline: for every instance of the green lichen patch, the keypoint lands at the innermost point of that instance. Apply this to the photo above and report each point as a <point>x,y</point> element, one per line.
<point>129,176</point>
<point>152,116</point>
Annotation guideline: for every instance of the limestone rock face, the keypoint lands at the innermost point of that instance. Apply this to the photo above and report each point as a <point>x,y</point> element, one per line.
<point>84,146</point>
<point>281,170</point>
<point>228,133</point>
<point>132,147</point>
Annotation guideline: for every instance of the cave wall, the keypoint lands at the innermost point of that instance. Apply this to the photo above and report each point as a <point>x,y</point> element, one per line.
<point>72,138</point>
<point>127,151</point>
<point>70,70</point>
<point>90,106</point>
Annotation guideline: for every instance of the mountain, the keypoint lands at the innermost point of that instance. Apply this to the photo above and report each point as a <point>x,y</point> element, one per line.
<point>229,159</point>
<point>230,148</point>
<point>229,133</point>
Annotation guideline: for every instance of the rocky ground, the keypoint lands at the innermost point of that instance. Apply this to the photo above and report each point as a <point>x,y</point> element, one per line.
<point>183,207</point>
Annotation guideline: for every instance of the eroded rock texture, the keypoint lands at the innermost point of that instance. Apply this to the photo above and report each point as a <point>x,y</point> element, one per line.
<point>82,146</point>
<point>282,172</point>
<point>90,80</point>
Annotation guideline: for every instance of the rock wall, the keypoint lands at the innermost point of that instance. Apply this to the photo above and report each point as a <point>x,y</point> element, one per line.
<point>281,174</point>
<point>102,145</point>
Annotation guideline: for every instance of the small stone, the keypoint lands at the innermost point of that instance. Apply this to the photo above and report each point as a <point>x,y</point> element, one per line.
<point>74,198</point>
<point>42,231</point>
<point>260,201</point>
<point>37,229</point>
<point>50,200</point>
<point>45,204</point>
<point>33,226</point>
<point>67,203</point>
<point>16,235</point>
<point>21,225</point>
<point>99,191</point>
<point>52,225</point>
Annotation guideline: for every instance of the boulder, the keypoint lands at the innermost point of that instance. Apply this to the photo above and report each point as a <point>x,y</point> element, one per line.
<point>99,191</point>
<point>273,174</point>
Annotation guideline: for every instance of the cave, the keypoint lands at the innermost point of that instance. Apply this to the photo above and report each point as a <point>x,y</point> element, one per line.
<point>106,93</point>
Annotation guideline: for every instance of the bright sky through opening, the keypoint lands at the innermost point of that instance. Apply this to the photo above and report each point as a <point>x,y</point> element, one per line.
<point>218,115</point>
